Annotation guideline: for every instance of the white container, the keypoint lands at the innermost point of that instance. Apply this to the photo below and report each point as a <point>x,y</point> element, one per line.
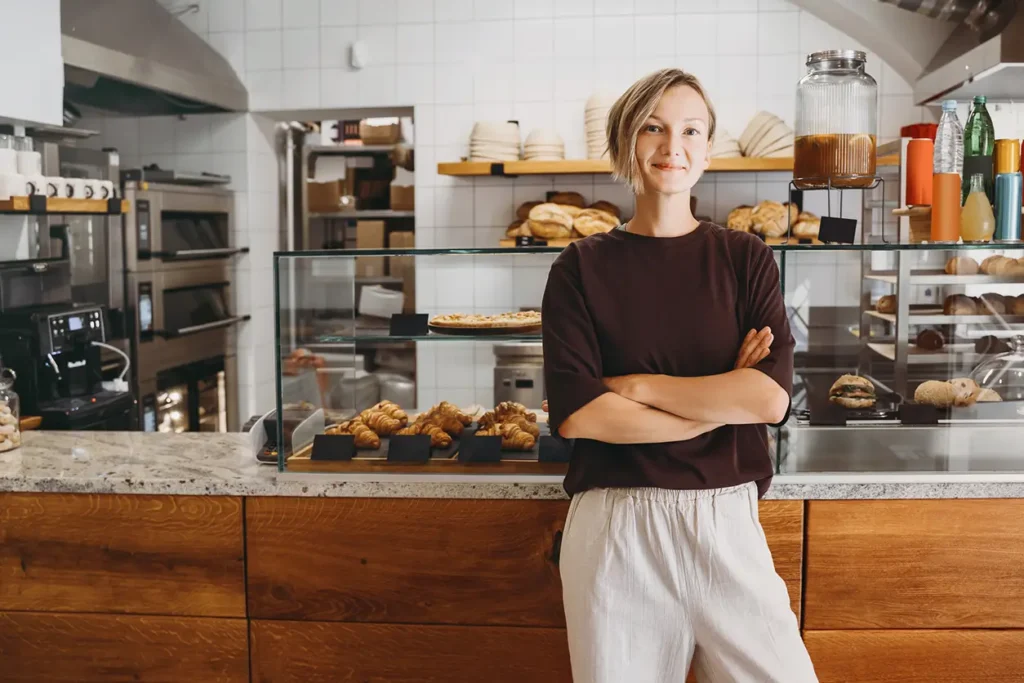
<point>380,302</point>
<point>8,156</point>
<point>30,162</point>
<point>12,185</point>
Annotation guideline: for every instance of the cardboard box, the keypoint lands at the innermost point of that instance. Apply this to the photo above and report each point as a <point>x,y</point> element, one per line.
<point>370,235</point>
<point>323,196</point>
<point>404,267</point>
<point>403,198</point>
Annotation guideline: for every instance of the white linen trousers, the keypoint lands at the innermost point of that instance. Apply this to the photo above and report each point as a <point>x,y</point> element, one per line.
<point>654,578</point>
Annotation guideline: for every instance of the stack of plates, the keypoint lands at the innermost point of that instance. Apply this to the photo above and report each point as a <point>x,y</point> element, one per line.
<point>596,117</point>
<point>767,136</point>
<point>725,146</point>
<point>494,141</point>
<point>543,145</point>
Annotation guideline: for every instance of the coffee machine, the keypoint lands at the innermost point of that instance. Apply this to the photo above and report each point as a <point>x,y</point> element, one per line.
<point>53,347</point>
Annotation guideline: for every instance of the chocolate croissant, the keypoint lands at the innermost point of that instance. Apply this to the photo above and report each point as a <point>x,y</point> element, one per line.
<point>438,437</point>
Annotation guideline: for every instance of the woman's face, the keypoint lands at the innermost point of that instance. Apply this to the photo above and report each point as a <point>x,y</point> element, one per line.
<point>672,148</point>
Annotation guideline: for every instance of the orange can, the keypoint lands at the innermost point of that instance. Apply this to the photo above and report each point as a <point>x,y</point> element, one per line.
<point>945,207</point>
<point>919,171</point>
<point>1007,157</point>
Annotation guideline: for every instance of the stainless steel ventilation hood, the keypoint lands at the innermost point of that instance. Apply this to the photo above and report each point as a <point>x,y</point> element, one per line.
<point>945,48</point>
<point>133,57</point>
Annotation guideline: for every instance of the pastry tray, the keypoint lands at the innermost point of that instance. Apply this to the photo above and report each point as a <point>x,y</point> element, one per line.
<point>484,331</point>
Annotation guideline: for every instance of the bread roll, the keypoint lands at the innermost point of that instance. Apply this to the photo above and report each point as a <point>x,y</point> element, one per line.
<point>959,304</point>
<point>988,266</point>
<point>607,207</point>
<point>570,198</point>
<point>930,340</point>
<point>964,390</point>
<point>551,213</point>
<point>1016,268</point>
<point>740,219</point>
<point>807,226</point>
<point>591,221</point>
<point>962,265</point>
<point>516,229</point>
<point>548,230</point>
<point>990,344</point>
<point>991,304</point>
<point>523,212</point>
<point>886,304</point>
<point>935,393</point>
<point>570,209</point>
<point>1005,266</point>
<point>1017,307</point>
<point>773,219</point>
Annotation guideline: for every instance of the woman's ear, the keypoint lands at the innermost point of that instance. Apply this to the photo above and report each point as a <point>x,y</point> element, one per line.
<point>707,154</point>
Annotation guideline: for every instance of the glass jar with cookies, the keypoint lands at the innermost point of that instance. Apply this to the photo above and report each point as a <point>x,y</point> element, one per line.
<point>10,429</point>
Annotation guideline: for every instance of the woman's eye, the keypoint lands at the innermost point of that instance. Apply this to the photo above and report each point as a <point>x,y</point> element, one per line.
<point>691,131</point>
<point>651,128</point>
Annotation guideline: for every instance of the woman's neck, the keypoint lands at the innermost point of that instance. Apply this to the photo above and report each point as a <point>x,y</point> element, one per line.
<point>660,215</point>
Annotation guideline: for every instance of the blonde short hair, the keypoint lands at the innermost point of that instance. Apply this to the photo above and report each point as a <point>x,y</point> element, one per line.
<point>629,113</point>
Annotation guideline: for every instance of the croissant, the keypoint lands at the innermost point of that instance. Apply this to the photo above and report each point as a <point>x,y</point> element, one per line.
<point>512,437</point>
<point>438,437</point>
<point>390,409</point>
<point>364,437</point>
<point>508,408</point>
<point>449,423</point>
<point>446,408</point>
<point>380,422</point>
<point>524,424</point>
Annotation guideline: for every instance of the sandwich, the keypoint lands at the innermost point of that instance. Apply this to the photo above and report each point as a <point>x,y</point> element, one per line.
<point>851,391</point>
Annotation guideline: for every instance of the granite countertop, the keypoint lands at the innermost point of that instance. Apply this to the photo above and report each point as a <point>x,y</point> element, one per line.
<point>222,464</point>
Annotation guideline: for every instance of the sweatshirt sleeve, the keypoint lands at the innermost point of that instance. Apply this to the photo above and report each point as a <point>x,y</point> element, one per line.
<point>766,306</point>
<point>572,356</point>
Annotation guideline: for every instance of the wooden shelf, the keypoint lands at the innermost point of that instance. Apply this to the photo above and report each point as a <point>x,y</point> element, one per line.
<point>959,353</point>
<point>363,214</point>
<point>940,277</point>
<point>577,166</point>
<point>56,205</point>
<point>937,317</point>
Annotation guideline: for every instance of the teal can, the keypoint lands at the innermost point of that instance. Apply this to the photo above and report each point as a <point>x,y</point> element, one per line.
<point>1009,187</point>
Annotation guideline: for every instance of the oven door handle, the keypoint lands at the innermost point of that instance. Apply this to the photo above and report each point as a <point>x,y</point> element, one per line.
<point>184,254</point>
<point>215,325</point>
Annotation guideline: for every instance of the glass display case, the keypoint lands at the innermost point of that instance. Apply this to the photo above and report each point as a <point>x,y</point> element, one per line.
<point>427,343</point>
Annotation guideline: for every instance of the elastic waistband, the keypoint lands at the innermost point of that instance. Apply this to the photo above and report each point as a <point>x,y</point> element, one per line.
<point>676,495</point>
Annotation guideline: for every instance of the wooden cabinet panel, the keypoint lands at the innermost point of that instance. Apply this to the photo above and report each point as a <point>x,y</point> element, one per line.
<point>405,560</point>
<point>330,652</point>
<point>915,564</point>
<point>82,648</point>
<point>137,554</point>
<point>783,524</point>
<point>982,656</point>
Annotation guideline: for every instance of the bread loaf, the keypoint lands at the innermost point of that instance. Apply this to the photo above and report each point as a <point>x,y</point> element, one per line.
<point>570,209</point>
<point>992,265</point>
<point>964,390</point>
<point>991,304</point>
<point>548,230</point>
<point>523,212</point>
<point>570,198</point>
<point>591,221</point>
<point>602,205</point>
<point>886,304</point>
<point>961,265</point>
<point>773,219</point>
<point>740,219</point>
<point>551,213</point>
<point>517,228</point>
<point>1017,307</point>
<point>930,340</point>
<point>990,344</point>
<point>959,304</point>
<point>935,393</point>
<point>807,226</point>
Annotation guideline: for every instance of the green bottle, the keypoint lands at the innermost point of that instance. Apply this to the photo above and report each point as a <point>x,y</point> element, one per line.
<point>979,145</point>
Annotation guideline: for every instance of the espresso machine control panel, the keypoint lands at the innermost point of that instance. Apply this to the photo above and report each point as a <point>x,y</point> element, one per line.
<point>80,326</point>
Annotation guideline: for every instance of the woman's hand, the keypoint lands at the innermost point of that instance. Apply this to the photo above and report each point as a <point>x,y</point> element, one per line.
<point>755,347</point>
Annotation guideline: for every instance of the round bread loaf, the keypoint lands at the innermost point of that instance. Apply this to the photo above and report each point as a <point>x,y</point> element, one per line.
<point>551,213</point>
<point>987,396</point>
<point>523,212</point>
<point>548,230</point>
<point>960,304</point>
<point>1005,266</point>
<point>740,219</point>
<point>807,226</point>
<point>590,221</point>
<point>962,265</point>
<point>935,393</point>
<point>886,304</point>
<point>990,344</point>
<point>988,266</point>
<point>570,209</point>
<point>1016,268</point>
<point>1017,307</point>
<point>964,390</point>
<point>517,229</point>
<point>570,198</point>
<point>773,219</point>
<point>991,304</point>
<point>930,340</point>
<point>608,207</point>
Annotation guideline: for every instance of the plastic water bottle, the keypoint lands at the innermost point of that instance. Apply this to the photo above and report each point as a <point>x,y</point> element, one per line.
<point>949,142</point>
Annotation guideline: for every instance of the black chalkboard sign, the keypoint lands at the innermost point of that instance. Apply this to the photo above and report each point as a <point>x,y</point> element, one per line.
<point>480,449</point>
<point>918,414</point>
<point>333,447</point>
<point>408,325</point>
<point>409,448</point>
<point>837,230</point>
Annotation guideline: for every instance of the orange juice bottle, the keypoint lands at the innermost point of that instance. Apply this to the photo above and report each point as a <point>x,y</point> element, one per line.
<point>977,222</point>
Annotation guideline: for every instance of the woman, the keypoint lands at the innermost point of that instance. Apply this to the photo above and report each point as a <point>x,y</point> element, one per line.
<point>666,351</point>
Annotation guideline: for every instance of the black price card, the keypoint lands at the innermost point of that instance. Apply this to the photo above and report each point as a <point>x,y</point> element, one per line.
<point>409,448</point>
<point>837,230</point>
<point>552,449</point>
<point>333,447</point>
<point>408,325</point>
<point>918,414</point>
<point>480,449</point>
<point>826,413</point>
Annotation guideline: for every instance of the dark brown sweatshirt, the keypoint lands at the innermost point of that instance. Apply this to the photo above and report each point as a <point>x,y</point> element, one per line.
<point>621,303</point>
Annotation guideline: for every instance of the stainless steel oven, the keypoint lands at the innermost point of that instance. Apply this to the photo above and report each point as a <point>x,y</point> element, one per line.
<point>174,226</point>
<point>181,262</point>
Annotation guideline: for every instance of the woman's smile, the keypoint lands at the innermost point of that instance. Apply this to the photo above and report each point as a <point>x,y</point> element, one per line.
<point>668,167</point>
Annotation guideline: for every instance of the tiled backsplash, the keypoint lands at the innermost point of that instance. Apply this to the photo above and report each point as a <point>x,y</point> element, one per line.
<point>459,61</point>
